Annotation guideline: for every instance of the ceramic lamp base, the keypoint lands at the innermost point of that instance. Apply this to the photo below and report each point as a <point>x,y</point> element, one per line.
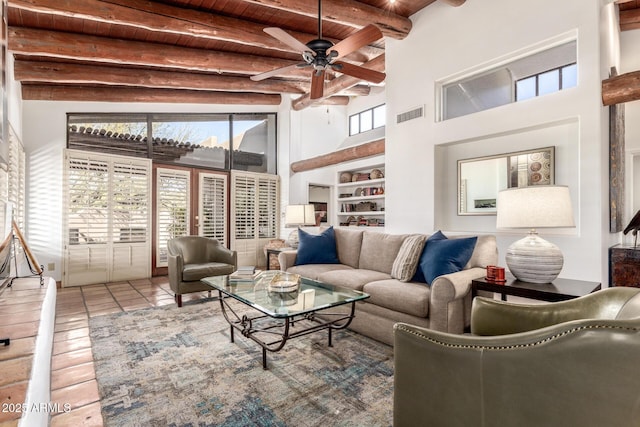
<point>534,259</point>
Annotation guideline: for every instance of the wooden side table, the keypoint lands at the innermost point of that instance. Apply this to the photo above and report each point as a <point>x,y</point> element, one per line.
<point>559,290</point>
<point>272,257</point>
<point>624,266</point>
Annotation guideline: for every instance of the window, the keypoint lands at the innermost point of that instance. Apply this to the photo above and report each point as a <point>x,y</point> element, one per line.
<point>366,120</point>
<point>537,74</point>
<point>215,141</point>
<point>546,82</point>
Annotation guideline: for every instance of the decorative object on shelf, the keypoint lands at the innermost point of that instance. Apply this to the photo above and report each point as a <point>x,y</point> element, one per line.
<point>296,216</point>
<point>345,177</point>
<point>358,192</point>
<point>354,177</point>
<point>376,174</point>
<point>534,259</point>
<point>365,207</point>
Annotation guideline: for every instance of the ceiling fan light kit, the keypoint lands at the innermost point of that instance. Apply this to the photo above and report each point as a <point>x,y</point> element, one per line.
<point>322,55</point>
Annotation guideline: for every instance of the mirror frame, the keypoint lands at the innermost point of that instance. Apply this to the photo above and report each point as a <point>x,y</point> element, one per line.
<point>550,150</point>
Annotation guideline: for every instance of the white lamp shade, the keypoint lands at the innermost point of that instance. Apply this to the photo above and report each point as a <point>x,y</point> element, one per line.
<point>541,206</point>
<point>296,215</point>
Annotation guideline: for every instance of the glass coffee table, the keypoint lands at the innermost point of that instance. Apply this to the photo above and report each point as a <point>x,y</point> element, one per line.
<point>276,317</point>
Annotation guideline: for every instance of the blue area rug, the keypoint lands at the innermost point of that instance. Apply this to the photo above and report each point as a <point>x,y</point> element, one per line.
<point>174,366</point>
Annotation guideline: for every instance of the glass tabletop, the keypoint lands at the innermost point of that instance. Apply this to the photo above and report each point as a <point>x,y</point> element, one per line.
<point>311,296</point>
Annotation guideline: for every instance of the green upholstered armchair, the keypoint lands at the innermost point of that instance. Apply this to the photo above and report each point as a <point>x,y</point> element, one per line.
<point>192,258</point>
<point>570,363</point>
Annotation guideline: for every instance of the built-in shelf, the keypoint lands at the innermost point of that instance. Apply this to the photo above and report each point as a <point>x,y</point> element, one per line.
<point>361,201</point>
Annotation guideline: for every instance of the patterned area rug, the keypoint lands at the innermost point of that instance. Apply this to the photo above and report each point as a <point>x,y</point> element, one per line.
<point>174,366</point>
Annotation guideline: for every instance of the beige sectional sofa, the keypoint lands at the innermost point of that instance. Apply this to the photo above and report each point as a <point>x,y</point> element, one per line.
<point>366,261</point>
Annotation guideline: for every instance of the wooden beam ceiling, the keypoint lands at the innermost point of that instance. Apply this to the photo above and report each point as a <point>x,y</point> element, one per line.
<point>153,50</point>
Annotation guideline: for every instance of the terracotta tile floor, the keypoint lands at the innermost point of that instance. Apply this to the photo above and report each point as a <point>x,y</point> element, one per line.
<point>73,379</point>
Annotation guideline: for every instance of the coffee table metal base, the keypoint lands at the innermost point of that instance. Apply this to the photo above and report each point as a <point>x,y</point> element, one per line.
<point>281,328</point>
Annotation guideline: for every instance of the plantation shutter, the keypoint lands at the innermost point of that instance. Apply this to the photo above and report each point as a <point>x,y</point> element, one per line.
<point>267,207</point>
<point>16,179</point>
<point>107,218</point>
<point>130,220</point>
<point>254,214</point>
<point>212,209</point>
<point>172,212</point>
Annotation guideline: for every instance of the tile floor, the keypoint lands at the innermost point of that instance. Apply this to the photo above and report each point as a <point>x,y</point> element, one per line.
<point>73,379</point>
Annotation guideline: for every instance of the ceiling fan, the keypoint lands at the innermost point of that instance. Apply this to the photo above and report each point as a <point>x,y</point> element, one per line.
<point>323,55</point>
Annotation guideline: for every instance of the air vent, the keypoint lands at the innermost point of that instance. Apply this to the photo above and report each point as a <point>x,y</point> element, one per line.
<point>410,115</point>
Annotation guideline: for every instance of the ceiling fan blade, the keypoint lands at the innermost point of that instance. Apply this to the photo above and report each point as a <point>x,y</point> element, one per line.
<point>360,72</point>
<point>287,39</point>
<point>365,36</point>
<point>276,72</point>
<point>317,84</point>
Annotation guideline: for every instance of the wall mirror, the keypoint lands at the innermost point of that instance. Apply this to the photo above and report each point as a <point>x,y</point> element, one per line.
<point>480,179</point>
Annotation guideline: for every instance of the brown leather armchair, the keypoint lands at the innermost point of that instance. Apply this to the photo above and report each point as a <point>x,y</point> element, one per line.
<point>570,363</point>
<point>192,258</point>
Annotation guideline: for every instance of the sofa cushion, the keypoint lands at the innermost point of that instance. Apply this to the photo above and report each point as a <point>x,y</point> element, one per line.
<point>348,244</point>
<point>406,262</point>
<point>193,272</point>
<point>444,256</point>
<point>353,279</point>
<point>317,248</point>
<point>405,297</point>
<point>379,250</point>
<point>313,271</point>
<point>485,252</point>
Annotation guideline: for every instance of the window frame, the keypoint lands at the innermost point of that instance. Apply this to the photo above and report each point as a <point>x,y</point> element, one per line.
<point>560,70</point>
<point>150,118</point>
<point>360,114</point>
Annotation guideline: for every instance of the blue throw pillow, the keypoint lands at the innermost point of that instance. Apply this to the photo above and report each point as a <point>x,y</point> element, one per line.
<point>317,248</point>
<point>419,276</point>
<point>443,256</point>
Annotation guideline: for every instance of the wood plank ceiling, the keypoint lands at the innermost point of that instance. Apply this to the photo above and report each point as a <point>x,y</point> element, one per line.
<point>196,51</point>
<point>188,51</point>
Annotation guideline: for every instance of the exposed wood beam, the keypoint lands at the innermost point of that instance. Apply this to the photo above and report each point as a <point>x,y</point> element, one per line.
<point>352,153</point>
<point>620,89</point>
<point>335,100</point>
<point>338,84</point>
<point>57,44</point>
<point>345,12</point>
<point>127,94</point>
<point>629,19</point>
<point>66,73</point>
<point>169,19</point>
<point>80,74</point>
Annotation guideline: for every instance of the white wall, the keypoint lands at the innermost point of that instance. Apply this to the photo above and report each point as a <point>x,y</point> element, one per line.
<point>447,41</point>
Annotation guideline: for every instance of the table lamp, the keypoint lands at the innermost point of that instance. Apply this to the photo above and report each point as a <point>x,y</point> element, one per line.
<point>295,216</point>
<point>534,259</point>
